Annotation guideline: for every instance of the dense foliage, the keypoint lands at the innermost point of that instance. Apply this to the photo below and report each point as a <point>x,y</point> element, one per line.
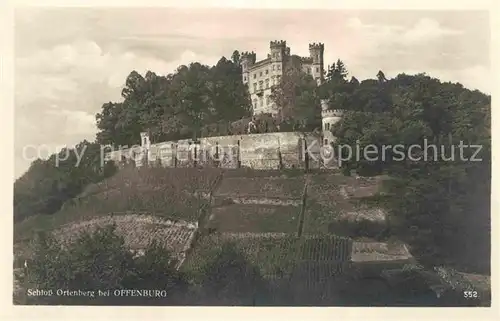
<point>196,99</point>
<point>438,196</point>
<point>441,207</point>
<point>49,183</point>
<point>297,98</point>
<point>100,261</point>
<point>179,105</point>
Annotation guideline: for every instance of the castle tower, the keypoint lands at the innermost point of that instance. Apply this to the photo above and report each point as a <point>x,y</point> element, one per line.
<point>278,56</point>
<point>145,143</point>
<point>278,50</point>
<point>329,118</point>
<point>145,150</point>
<point>316,51</point>
<point>247,61</point>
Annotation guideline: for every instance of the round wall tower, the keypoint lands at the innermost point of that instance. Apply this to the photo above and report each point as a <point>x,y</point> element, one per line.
<point>329,117</point>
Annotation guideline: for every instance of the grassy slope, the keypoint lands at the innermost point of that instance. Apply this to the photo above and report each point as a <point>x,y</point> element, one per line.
<point>255,218</point>
<point>330,197</point>
<point>164,192</point>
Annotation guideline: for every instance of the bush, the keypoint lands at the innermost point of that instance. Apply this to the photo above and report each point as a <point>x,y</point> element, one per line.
<point>100,261</point>
<point>226,277</point>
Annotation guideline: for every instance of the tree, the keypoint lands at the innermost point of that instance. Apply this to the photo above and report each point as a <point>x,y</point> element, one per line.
<point>381,76</point>
<point>100,261</point>
<point>228,278</point>
<point>296,97</point>
<point>236,57</point>
<point>49,183</point>
<point>337,72</point>
<point>430,202</point>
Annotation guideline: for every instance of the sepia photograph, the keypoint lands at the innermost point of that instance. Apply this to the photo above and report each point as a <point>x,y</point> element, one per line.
<point>251,157</point>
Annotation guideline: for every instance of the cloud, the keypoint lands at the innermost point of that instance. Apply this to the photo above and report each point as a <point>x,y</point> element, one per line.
<point>60,89</point>
<point>378,36</point>
<point>425,30</point>
<point>75,122</point>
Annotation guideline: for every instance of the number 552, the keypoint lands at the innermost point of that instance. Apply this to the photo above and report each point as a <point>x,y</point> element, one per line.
<point>470,294</point>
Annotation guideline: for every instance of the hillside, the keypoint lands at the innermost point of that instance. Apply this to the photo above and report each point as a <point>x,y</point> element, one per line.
<point>438,207</point>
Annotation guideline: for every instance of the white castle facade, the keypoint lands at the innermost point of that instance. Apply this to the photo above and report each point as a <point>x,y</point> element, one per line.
<point>261,76</point>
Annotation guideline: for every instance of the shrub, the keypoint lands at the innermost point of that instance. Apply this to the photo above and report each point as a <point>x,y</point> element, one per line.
<point>99,261</point>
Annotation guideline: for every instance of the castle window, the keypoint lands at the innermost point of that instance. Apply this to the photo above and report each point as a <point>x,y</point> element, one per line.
<point>326,141</point>
<point>274,67</point>
<point>261,83</point>
<point>308,70</point>
<point>317,56</point>
<point>267,71</point>
<point>327,126</point>
<point>317,69</point>
<point>254,76</point>
<point>245,78</point>
<point>254,86</point>
<point>267,83</point>
<point>260,74</point>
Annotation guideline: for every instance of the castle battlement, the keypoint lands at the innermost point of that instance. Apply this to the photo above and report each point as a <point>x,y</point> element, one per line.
<point>262,76</point>
<point>249,55</point>
<point>319,46</point>
<point>332,113</point>
<point>277,44</point>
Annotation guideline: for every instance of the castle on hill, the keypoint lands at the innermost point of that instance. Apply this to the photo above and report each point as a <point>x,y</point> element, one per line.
<point>261,76</point>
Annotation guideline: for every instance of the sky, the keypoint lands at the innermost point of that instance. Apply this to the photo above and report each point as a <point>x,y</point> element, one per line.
<point>70,61</point>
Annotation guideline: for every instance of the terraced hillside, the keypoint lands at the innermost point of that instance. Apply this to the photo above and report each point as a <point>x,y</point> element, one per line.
<point>334,199</point>
<point>257,204</point>
<point>137,230</point>
<point>175,194</point>
<point>283,221</point>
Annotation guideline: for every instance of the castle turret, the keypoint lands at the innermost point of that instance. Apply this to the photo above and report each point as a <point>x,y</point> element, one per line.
<point>247,61</point>
<point>329,118</point>
<point>144,151</point>
<point>316,51</point>
<point>324,105</point>
<point>145,143</point>
<point>278,50</point>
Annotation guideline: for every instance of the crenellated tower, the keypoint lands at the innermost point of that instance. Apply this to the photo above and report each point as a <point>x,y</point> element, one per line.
<point>329,118</point>
<point>278,50</point>
<point>316,51</point>
<point>247,61</point>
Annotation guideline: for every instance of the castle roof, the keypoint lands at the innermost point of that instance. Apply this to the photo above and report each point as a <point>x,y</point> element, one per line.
<point>306,59</point>
<point>260,63</point>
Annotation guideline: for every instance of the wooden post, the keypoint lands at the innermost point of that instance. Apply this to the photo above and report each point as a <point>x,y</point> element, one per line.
<point>280,158</point>
<point>306,156</point>
<point>174,154</point>
<point>239,155</point>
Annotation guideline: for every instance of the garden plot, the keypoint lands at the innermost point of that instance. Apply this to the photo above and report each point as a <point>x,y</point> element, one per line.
<point>255,218</point>
<point>334,198</point>
<point>138,231</point>
<point>379,251</point>
<point>261,187</point>
<point>270,252</point>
